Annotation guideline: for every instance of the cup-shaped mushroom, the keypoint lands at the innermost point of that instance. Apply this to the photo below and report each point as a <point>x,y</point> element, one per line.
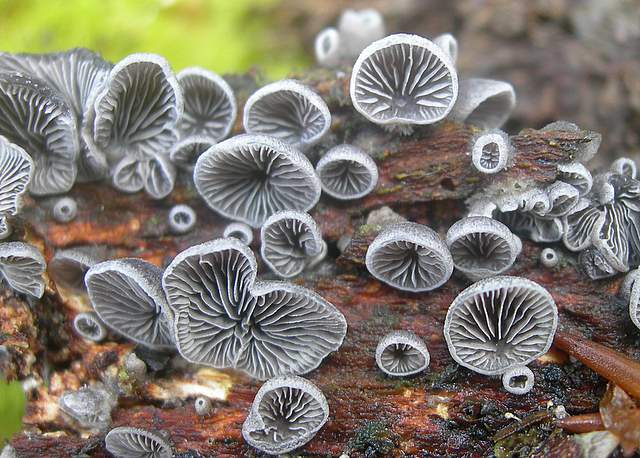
<point>65,210</point>
<point>403,80</point>
<point>410,257</point>
<point>209,105</point>
<point>88,407</point>
<point>225,319</point>
<point>595,265</point>
<point>68,267</point>
<point>491,151</point>
<point>586,150</point>
<point>579,225</point>
<point>287,412</point>
<point>346,172</point>
<point>563,198</point>
<point>360,28</point>
<point>518,380</point>
<point>88,326</point>
<point>127,296</point>
<point>21,267</point>
<point>250,177</point>
<point>611,236</point>
<point>633,287</point>
<point>577,175</point>
<point>484,103</point>
<point>186,152</point>
<point>402,353</point>
<point>35,117</point>
<point>538,229</point>
<point>327,47</point>
<point>127,442</point>
<point>16,170</point>
<point>624,166</point>
<point>482,247</point>
<point>287,110</point>
<point>289,239</point>
<point>240,231</point>
<point>500,323</point>
<point>449,45</point>
<point>549,258</point>
<point>182,219</point>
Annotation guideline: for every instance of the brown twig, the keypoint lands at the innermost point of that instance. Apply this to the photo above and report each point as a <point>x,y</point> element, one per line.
<point>585,423</point>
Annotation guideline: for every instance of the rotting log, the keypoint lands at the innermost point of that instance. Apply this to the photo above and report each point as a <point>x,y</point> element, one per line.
<point>447,410</point>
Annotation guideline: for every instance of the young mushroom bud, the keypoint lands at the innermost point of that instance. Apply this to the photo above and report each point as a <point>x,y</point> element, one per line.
<point>240,231</point>
<point>129,442</point>
<point>449,45</point>
<point>518,380</point>
<point>409,257</point>
<point>491,151</point>
<point>289,111</point>
<point>549,258</point>
<point>402,80</point>
<point>358,29</point>
<point>202,406</point>
<point>68,267</point>
<point>21,267</point>
<point>346,172</point>
<point>287,412</point>
<point>182,219</point>
<point>402,353</point>
<point>135,367</point>
<point>88,326</point>
<point>484,103</point>
<point>328,48</point>
<point>65,210</point>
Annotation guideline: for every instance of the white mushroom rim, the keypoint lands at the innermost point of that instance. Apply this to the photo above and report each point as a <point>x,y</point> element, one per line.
<point>346,172</point>
<point>518,380</point>
<point>491,151</point>
<point>240,231</point>
<point>135,442</point>
<point>402,353</point>
<point>634,297</point>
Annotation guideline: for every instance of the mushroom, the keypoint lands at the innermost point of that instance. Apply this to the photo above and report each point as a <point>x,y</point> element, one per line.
<point>250,177</point>
<point>21,267</point>
<point>225,319</point>
<point>595,265</point>
<point>127,296</point>
<point>549,258</point>
<point>484,103</point>
<point>88,326</point>
<point>563,197</point>
<point>89,407</point>
<point>288,240</point>
<point>186,152</point>
<point>402,353</point>
<point>402,80</point>
<point>579,224</point>
<point>585,150</point>
<point>287,412</point>
<point>68,267</point>
<point>491,151</point>
<point>16,171</point>
<point>538,229</point>
<point>202,406</point>
<point>182,219</point>
<point>482,247</point>
<point>518,380</point>
<point>287,110</point>
<point>65,210</point>
<point>240,231</point>
<point>449,45</point>
<point>624,166</point>
<point>35,117</point>
<point>633,287</point>
<point>327,47</point>
<point>410,257</point>
<point>136,368</point>
<point>577,175</point>
<point>346,172</point>
<point>127,442</point>
<point>360,28</point>
<point>500,323</point>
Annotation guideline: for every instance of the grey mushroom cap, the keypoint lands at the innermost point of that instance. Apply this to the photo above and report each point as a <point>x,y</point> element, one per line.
<point>482,247</point>
<point>403,79</point>
<point>68,267</point>
<point>402,353</point>
<point>126,442</point>
<point>518,380</point>
<point>328,48</point>
<point>16,171</point>
<point>563,198</point>
<point>186,152</point>
<point>262,328</point>
<point>410,257</point>
<point>549,258</point>
<point>65,210</point>
<point>577,175</point>
<point>182,219</point>
<point>624,166</point>
<point>89,326</point>
<point>491,151</point>
<point>359,28</point>
<point>538,229</point>
<point>634,296</point>
<point>500,323</point>
<point>89,407</point>
<point>248,178</point>
<point>240,231</point>
<point>289,239</point>
<point>287,412</point>
<point>127,296</point>
<point>484,103</point>
<point>449,45</point>
<point>346,172</point>
<point>21,267</point>
<point>35,117</point>
<point>579,225</point>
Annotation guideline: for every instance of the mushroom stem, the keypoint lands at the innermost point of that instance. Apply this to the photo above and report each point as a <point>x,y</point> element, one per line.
<point>585,423</point>
<point>610,364</point>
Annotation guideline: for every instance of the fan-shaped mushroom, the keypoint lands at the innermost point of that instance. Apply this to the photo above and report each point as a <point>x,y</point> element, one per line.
<point>21,267</point>
<point>491,151</point>
<point>563,198</point>
<point>500,323</point>
<point>631,290</point>
<point>410,257</point>
<point>579,224</point>
<point>595,265</point>
<point>68,267</point>
<point>89,326</point>
<point>624,166</point>
<point>286,413</point>
<point>127,442</point>
<point>484,103</point>
<point>224,319</point>
<point>250,177</point>
<point>16,170</point>
<point>402,353</point>
<point>346,172</point>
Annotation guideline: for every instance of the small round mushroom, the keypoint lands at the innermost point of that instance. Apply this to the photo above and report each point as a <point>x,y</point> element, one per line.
<point>403,80</point>
<point>402,353</point>
<point>346,172</point>
<point>549,258</point>
<point>491,151</point>
<point>518,380</point>
<point>182,219</point>
<point>89,326</point>
<point>410,257</point>
<point>21,267</point>
<point>88,407</point>
<point>287,412</point>
<point>127,442</point>
<point>327,47</point>
<point>186,152</point>
<point>624,166</point>
<point>360,28</point>
<point>65,210</point>
<point>202,406</point>
<point>289,111</point>
<point>240,231</point>
<point>449,45</point>
<point>577,175</point>
<point>484,103</point>
<point>68,267</point>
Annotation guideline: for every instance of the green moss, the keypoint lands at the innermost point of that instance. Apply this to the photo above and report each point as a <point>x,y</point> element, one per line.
<point>12,403</point>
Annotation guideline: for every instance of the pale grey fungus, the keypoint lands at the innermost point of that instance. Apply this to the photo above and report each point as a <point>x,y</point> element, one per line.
<point>410,257</point>
<point>89,407</point>
<point>16,171</point>
<point>491,151</point>
<point>248,178</point>
<point>126,442</point>
<point>343,243</point>
<point>549,258</point>
<point>35,117</point>
<point>403,80</point>
<point>624,166</point>
<point>627,284</point>
<point>449,45</point>
<point>579,225</point>
<point>605,187</point>
<point>202,406</point>
<point>135,141</point>
<point>616,237</point>
<point>289,111</point>
<point>346,172</point>
<point>127,296</point>
<point>563,197</point>
<point>359,28</point>
<point>209,105</point>
<point>182,219</point>
<point>585,150</point>
<point>240,231</point>
<point>595,265</point>
<point>318,258</point>
<point>482,247</point>
<point>287,412</point>
<point>88,326</point>
<point>402,353</point>
<point>327,47</point>
<point>289,239</point>
<point>21,267</point>
<point>527,224</point>
<point>225,319</point>
<point>383,216</point>
<point>484,103</point>
<point>631,289</point>
<point>68,267</point>
<point>577,175</point>
<point>65,210</point>
<point>186,152</point>
<point>135,367</point>
<point>500,323</point>
<point>536,201</point>
<point>9,452</point>
<point>518,380</point>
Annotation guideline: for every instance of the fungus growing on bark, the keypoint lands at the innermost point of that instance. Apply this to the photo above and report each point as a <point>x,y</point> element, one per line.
<point>518,380</point>
<point>127,442</point>
<point>16,171</point>
<point>346,172</point>
<point>549,258</point>
<point>21,267</point>
<point>491,151</point>
<point>402,353</point>
<point>89,407</point>
<point>484,103</point>
<point>89,326</point>
<point>68,267</point>
<point>65,210</point>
